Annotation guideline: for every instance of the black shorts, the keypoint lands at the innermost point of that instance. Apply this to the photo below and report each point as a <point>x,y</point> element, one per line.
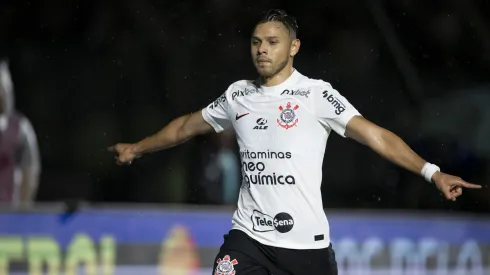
<point>242,255</point>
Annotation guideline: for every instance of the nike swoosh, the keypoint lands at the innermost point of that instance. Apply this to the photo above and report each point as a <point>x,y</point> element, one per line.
<point>240,116</point>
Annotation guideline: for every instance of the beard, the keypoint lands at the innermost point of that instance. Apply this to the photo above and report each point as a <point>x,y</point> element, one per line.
<point>273,70</point>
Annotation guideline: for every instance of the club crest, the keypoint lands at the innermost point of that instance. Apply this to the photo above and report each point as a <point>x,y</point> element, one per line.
<point>225,266</point>
<point>287,119</point>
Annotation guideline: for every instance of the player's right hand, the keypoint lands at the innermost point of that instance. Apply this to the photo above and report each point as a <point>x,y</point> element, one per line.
<point>125,153</point>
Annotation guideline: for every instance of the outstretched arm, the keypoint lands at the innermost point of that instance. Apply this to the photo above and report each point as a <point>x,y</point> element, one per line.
<point>213,117</point>
<point>394,149</point>
<point>176,132</point>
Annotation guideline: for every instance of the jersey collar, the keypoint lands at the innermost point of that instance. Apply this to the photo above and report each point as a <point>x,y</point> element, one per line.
<point>292,79</point>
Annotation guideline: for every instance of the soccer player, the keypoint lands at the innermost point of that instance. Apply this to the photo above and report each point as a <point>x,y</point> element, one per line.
<point>20,164</point>
<point>282,121</point>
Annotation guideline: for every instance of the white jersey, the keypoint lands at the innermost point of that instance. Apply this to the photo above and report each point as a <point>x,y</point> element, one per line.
<point>282,133</point>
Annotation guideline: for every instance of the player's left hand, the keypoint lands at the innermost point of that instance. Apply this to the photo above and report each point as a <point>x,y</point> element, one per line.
<point>451,186</point>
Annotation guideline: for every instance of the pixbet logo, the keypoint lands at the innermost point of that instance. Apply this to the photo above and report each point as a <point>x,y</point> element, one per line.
<point>245,92</point>
<point>282,222</point>
<point>336,103</point>
<point>296,92</point>
<point>261,124</point>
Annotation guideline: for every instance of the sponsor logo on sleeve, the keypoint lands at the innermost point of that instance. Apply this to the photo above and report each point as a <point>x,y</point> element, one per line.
<point>338,105</point>
<point>218,101</point>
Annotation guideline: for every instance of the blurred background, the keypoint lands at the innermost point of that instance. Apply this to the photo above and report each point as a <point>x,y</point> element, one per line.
<point>88,74</point>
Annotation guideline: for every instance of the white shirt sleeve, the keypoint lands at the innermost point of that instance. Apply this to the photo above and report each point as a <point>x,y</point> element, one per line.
<point>216,114</point>
<point>333,110</point>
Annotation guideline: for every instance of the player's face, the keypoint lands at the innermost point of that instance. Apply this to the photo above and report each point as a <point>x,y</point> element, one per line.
<point>272,48</point>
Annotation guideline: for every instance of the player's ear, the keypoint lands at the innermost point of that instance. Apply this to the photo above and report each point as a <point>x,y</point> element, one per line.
<point>295,44</point>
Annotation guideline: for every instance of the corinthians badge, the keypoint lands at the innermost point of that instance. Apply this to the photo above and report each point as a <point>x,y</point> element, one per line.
<point>287,119</point>
<point>225,266</point>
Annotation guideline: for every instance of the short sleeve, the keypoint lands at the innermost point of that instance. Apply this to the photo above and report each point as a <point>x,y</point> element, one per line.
<point>216,114</point>
<point>333,110</point>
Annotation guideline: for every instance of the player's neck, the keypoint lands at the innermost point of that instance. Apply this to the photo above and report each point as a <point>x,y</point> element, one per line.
<point>278,78</point>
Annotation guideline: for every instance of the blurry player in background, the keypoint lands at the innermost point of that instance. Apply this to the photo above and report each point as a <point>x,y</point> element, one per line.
<point>19,155</point>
